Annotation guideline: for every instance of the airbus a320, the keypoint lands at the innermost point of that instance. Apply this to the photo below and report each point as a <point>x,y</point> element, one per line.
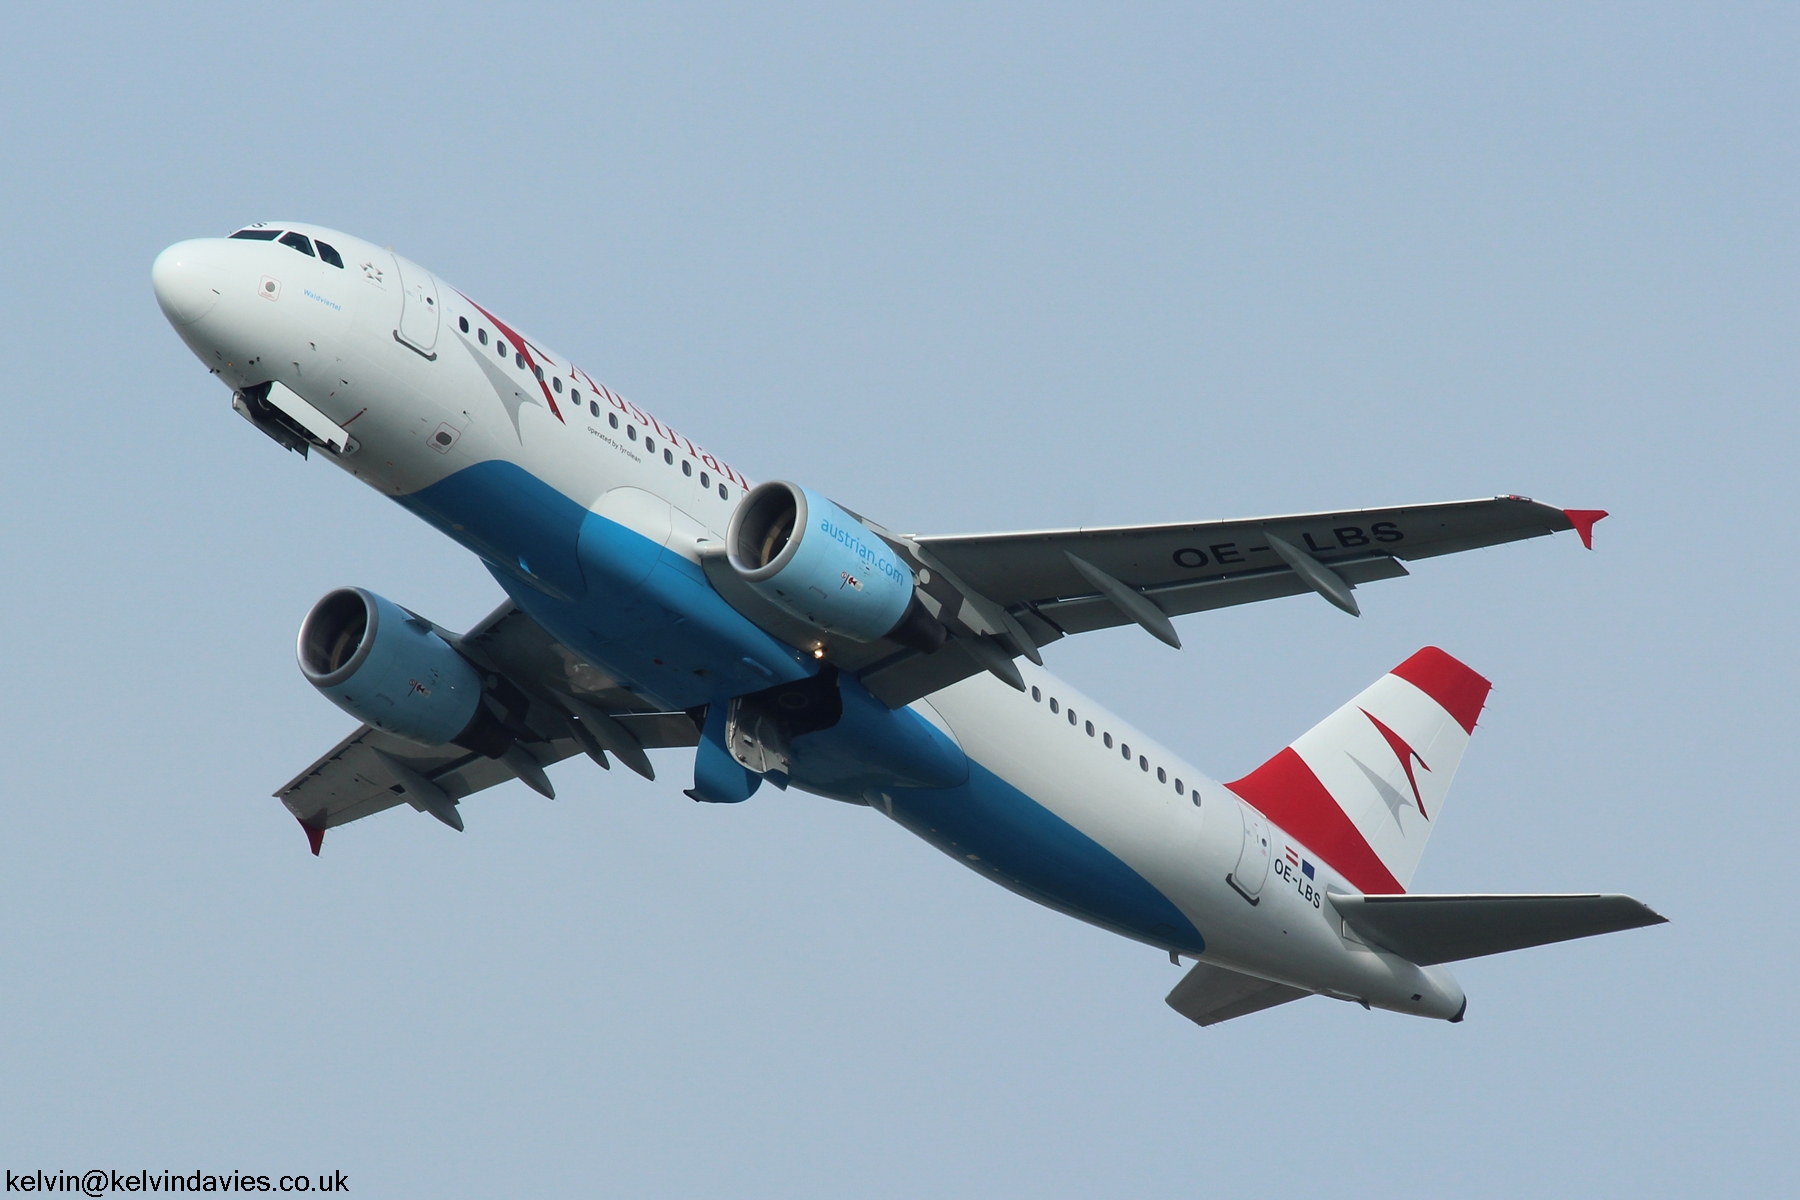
<point>658,599</point>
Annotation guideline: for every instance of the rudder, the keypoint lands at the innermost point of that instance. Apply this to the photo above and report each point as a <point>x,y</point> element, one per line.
<point>1363,787</point>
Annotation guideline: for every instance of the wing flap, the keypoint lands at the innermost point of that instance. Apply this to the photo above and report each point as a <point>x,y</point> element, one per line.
<point>1208,994</point>
<point>1438,929</point>
<point>911,675</point>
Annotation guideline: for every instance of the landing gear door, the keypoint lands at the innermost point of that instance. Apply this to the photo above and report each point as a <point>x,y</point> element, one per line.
<point>1253,858</point>
<point>418,308</point>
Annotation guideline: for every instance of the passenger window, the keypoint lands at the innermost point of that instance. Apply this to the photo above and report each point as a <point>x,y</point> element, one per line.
<point>298,241</point>
<point>539,372</point>
<point>649,445</point>
<point>1107,738</point>
<point>1125,751</point>
<point>330,255</point>
<point>612,419</point>
<point>519,359</point>
<point>556,383</point>
<point>1143,763</point>
<point>481,336</point>
<point>257,235</point>
<point>1053,705</point>
<point>631,432</point>
<point>723,494</point>
<point>1071,716</point>
<point>687,468</point>
<point>705,480</point>
<point>500,347</point>
<point>668,457</point>
<point>594,407</point>
<point>462,323</point>
<point>575,395</point>
<point>1090,728</point>
<point>1178,788</point>
<point>1037,697</point>
<point>1162,776</point>
<point>1196,797</point>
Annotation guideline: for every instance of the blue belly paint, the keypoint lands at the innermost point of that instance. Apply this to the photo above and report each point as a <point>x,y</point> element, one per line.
<point>873,746</point>
<point>637,611</point>
<point>994,828</point>
<point>649,617</point>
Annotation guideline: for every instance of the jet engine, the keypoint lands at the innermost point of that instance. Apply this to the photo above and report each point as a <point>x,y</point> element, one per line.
<point>816,562</point>
<point>389,668</point>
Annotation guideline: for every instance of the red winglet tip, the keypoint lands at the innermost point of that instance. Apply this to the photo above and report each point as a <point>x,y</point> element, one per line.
<point>1583,519</point>
<point>315,835</point>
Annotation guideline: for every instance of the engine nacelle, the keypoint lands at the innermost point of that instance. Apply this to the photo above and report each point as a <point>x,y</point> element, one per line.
<point>818,563</point>
<point>386,667</point>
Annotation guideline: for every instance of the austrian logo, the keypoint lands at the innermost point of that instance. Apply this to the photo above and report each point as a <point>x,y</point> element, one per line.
<point>1407,756</point>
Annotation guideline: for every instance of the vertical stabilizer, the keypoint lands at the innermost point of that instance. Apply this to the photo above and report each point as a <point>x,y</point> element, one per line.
<point>1364,787</point>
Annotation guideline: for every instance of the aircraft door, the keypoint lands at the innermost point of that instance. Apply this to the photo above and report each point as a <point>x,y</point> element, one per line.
<point>1253,858</point>
<point>418,307</point>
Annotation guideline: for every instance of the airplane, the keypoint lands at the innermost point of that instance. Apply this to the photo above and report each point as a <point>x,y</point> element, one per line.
<point>658,598</point>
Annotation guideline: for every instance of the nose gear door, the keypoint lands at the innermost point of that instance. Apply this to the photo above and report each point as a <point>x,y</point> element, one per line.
<point>1253,858</point>
<point>418,308</point>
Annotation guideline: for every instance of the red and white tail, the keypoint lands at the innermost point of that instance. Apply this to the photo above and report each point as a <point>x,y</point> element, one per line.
<point>1364,786</point>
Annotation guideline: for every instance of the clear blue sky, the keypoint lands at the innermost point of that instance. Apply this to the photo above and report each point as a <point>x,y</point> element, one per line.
<point>960,269</point>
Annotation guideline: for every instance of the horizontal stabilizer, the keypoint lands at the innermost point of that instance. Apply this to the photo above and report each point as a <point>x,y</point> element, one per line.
<point>1440,929</point>
<point>1207,994</point>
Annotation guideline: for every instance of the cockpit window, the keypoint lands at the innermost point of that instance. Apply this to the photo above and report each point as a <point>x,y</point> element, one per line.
<point>298,241</point>
<point>257,235</point>
<point>329,253</point>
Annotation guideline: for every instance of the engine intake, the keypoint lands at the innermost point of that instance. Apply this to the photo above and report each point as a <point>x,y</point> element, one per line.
<point>389,668</point>
<point>816,562</point>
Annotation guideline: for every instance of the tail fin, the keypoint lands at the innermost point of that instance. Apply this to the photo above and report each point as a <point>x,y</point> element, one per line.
<point>1363,787</point>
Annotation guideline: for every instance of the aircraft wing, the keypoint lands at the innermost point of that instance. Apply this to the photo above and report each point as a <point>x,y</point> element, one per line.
<point>1006,594</point>
<point>370,770</point>
<point>1187,568</point>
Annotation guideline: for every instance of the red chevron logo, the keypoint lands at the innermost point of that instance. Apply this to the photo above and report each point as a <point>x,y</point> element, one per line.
<point>1407,756</point>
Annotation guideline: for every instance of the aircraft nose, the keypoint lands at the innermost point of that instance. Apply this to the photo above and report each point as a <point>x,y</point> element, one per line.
<point>188,279</point>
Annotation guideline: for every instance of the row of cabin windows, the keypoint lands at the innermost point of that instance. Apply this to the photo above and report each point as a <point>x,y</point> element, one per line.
<point>1143,761</point>
<point>299,241</point>
<point>668,455</point>
<point>295,240</point>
